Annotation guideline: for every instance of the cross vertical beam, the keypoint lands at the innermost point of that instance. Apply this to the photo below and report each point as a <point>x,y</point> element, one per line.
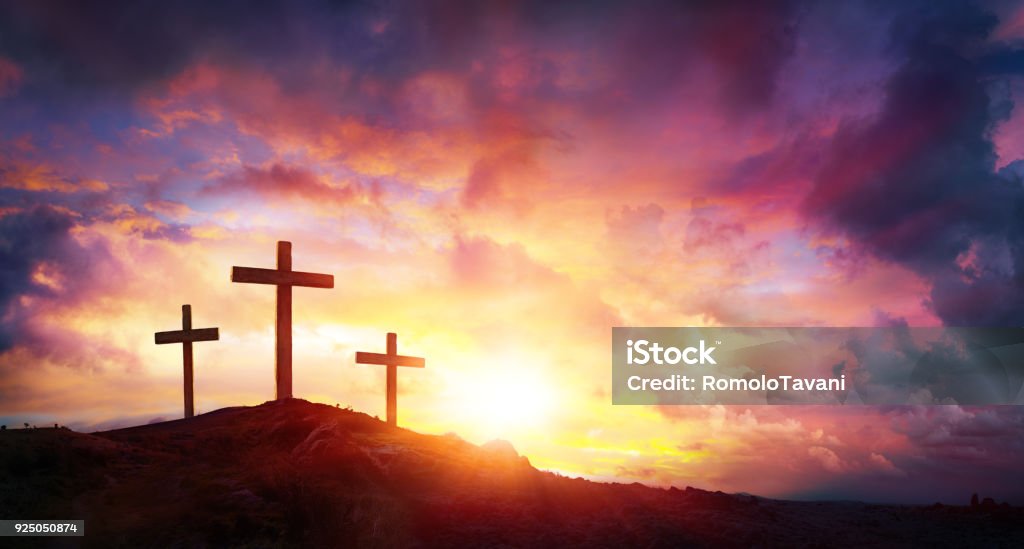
<point>392,360</point>
<point>284,278</point>
<point>392,381</point>
<point>186,349</point>
<point>283,326</point>
<point>186,336</point>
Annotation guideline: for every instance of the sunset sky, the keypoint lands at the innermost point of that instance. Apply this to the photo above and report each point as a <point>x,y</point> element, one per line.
<point>500,184</point>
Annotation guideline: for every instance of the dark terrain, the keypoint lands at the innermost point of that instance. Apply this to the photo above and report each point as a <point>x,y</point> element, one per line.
<point>293,473</point>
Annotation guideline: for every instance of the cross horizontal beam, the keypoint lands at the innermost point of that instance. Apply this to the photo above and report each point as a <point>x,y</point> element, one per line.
<point>390,360</point>
<point>254,275</point>
<point>187,336</point>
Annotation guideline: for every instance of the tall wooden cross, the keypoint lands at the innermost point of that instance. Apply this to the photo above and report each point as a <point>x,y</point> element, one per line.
<point>392,360</point>
<point>186,336</point>
<point>284,278</point>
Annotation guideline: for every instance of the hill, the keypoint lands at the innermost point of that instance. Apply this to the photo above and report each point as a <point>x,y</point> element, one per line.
<point>293,473</point>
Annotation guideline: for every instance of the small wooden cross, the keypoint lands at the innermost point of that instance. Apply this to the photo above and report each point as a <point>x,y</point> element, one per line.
<point>284,278</point>
<point>392,360</point>
<point>186,336</point>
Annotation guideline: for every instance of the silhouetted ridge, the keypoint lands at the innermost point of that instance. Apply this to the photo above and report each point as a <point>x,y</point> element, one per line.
<point>295,473</point>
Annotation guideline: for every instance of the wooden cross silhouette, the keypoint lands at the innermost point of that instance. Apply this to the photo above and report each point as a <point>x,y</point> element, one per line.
<point>284,278</point>
<point>392,360</point>
<point>186,336</point>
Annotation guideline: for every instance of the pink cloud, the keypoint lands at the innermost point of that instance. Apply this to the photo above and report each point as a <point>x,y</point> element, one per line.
<point>284,182</point>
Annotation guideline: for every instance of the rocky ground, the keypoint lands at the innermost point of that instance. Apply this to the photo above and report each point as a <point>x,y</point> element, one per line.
<point>294,473</point>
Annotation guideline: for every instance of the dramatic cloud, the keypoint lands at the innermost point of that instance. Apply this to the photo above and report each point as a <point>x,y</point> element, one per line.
<point>917,184</point>
<point>38,258</point>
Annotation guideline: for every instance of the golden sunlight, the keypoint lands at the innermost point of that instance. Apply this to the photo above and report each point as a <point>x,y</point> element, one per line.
<point>503,400</point>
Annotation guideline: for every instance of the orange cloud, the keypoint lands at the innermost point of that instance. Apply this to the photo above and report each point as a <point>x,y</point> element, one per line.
<point>40,177</point>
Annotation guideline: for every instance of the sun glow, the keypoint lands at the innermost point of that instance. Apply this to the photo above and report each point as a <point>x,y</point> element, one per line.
<point>505,401</point>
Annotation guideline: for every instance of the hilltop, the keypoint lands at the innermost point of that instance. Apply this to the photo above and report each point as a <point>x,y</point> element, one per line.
<point>294,473</point>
